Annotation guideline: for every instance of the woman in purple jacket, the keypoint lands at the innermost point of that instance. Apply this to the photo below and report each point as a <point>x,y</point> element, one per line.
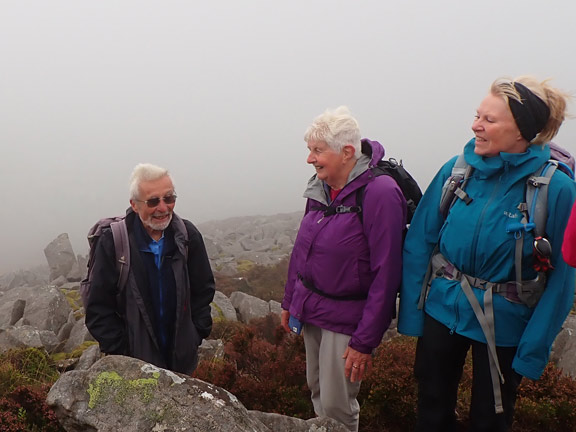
<point>346,264</point>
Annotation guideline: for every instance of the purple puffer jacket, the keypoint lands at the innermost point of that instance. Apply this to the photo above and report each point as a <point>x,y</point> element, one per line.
<point>342,256</point>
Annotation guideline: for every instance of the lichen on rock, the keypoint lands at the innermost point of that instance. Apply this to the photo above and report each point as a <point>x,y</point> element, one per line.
<point>111,383</point>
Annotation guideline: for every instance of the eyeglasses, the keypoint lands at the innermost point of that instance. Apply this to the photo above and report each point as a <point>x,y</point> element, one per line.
<point>155,202</point>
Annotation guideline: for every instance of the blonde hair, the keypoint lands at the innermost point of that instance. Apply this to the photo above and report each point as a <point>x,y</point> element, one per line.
<point>555,99</point>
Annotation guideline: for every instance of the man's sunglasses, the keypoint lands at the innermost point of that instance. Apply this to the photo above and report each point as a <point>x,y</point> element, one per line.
<point>155,202</point>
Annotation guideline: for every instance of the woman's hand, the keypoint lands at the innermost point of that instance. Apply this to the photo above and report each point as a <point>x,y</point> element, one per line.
<point>284,318</point>
<point>358,365</point>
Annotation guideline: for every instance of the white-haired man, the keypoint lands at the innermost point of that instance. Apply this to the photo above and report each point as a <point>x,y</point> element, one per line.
<point>163,312</point>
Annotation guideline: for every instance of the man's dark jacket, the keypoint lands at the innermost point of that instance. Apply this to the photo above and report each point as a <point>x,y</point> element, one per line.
<point>129,323</point>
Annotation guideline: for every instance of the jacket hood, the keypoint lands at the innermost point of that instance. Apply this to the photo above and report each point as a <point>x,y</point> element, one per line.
<point>372,152</point>
<point>528,162</point>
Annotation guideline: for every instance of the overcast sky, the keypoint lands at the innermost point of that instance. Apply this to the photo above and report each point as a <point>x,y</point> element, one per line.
<point>221,92</point>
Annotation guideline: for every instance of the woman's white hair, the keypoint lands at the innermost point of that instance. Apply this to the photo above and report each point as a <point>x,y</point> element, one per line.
<point>337,128</point>
<point>145,172</point>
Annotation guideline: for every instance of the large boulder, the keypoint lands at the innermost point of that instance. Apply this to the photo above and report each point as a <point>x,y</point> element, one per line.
<point>61,259</point>
<point>27,337</point>
<point>122,393</point>
<point>42,307</point>
<point>564,349</point>
<point>222,308</point>
<point>249,307</point>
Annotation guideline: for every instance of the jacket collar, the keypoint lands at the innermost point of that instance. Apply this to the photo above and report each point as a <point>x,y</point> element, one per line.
<point>372,152</point>
<point>524,163</point>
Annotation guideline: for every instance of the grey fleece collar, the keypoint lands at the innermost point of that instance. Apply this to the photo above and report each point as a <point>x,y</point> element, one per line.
<point>315,188</point>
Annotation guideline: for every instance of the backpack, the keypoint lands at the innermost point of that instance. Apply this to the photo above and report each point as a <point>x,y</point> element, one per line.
<point>122,250</point>
<point>393,168</point>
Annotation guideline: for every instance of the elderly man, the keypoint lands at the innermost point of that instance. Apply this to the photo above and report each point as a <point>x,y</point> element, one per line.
<point>162,313</point>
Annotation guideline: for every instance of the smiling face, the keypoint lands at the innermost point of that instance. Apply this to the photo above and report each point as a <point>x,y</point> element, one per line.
<point>331,167</point>
<point>495,129</point>
<point>155,219</point>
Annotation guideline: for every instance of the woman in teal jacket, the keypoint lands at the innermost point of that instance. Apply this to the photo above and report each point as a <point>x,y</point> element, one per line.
<point>480,252</point>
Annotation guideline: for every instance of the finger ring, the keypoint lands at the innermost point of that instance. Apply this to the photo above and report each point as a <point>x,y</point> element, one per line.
<point>355,366</point>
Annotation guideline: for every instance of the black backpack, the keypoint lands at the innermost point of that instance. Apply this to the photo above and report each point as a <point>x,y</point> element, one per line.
<point>393,168</point>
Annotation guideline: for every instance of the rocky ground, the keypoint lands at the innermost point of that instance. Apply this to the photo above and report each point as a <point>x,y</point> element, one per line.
<point>40,308</point>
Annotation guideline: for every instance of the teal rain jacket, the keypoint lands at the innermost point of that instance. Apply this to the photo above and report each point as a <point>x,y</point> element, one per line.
<point>475,240</point>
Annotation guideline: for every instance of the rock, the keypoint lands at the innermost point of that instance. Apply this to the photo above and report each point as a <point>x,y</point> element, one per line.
<point>61,259</point>
<point>564,348</point>
<point>211,349</point>
<point>127,394</point>
<point>11,311</point>
<point>277,422</point>
<point>23,278</point>
<point>45,308</point>
<point>78,335</point>
<point>275,307</point>
<point>90,356</point>
<point>27,337</point>
<point>261,239</point>
<point>249,307</point>
<point>222,308</point>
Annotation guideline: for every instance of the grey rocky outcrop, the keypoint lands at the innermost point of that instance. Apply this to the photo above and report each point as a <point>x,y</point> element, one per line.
<point>263,240</point>
<point>32,317</point>
<point>122,393</point>
<point>20,278</point>
<point>62,260</point>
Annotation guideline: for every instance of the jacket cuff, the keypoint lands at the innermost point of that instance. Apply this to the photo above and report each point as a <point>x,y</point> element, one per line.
<point>360,348</point>
<point>526,369</point>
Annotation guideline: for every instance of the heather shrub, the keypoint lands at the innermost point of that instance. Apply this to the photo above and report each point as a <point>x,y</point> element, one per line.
<point>29,366</point>
<point>25,410</point>
<point>546,404</point>
<point>388,394</point>
<point>25,378</point>
<point>265,375</point>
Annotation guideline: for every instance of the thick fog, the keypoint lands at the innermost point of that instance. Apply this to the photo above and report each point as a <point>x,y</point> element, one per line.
<point>221,92</point>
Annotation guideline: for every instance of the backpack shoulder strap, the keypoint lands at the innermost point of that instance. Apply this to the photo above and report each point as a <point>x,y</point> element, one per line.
<point>122,249</point>
<point>453,188</point>
<point>181,226</point>
<point>537,196</point>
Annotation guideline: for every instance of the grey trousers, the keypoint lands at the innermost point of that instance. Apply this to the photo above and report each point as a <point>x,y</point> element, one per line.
<point>333,395</point>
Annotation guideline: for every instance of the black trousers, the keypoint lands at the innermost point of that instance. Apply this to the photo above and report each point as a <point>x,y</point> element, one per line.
<point>440,357</point>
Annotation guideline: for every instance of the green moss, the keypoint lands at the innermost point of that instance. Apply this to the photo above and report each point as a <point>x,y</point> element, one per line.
<point>244,265</point>
<point>77,352</point>
<point>73,298</point>
<point>111,385</point>
<point>220,316</point>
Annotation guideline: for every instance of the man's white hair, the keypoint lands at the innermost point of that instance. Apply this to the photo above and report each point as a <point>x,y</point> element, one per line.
<point>145,172</point>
